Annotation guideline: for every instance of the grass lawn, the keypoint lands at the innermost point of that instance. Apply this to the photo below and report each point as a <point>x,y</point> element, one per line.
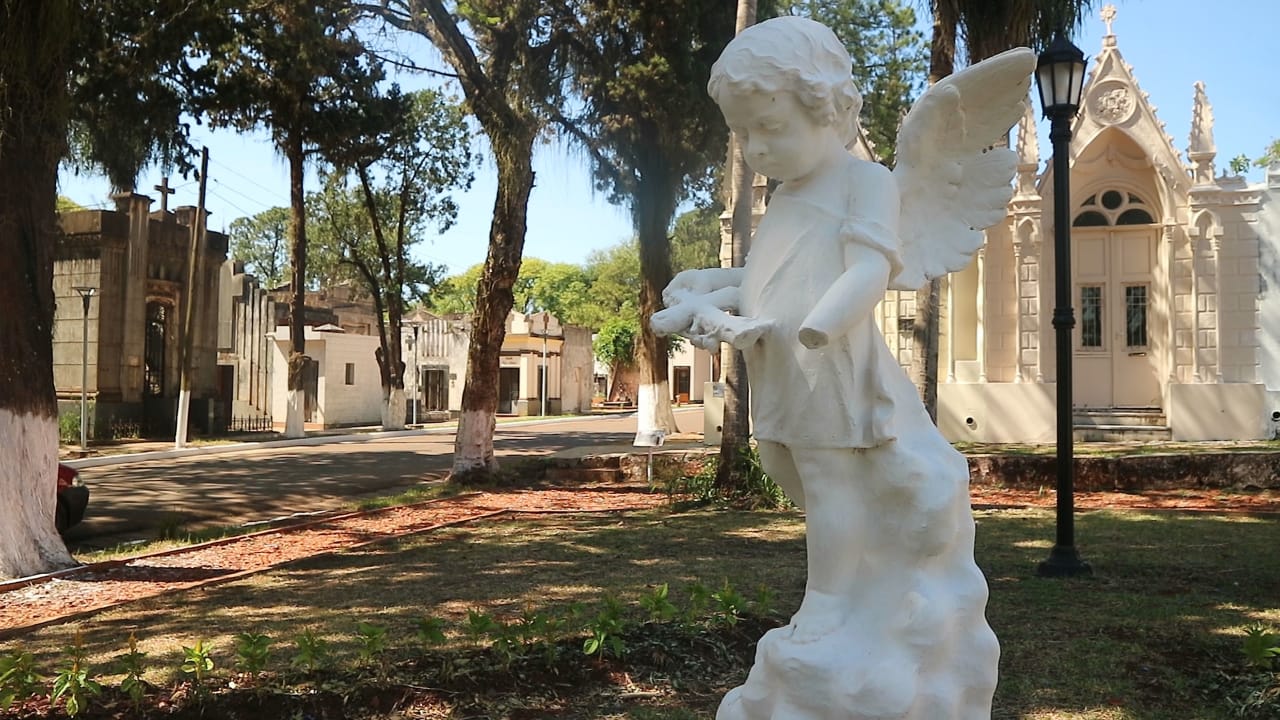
<point>1155,634</point>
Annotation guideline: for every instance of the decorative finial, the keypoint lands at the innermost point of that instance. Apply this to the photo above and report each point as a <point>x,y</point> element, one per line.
<point>1108,15</point>
<point>1201,150</point>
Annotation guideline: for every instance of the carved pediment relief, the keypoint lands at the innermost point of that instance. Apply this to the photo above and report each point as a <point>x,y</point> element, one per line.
<point>1111,102</point>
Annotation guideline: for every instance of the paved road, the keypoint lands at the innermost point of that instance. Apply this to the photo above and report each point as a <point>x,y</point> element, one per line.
<point>136,500</point>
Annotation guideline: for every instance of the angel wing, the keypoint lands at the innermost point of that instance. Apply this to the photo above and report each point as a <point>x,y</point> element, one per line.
<point>952,183</point>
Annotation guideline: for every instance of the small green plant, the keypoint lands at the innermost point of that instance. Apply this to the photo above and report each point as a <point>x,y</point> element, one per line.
<point>73,684</point>
<point>253,652</point>
<point>762,605</point>
<point>479,625</point>
<point>505,642</point>
<point>606,630</point>
<point>134,665</point>
<point>373,642</point>
<point>657,604</point>
<point>1261,647</point>
<point>198,662</point>
<point>18,677</point>
<point>430,632</point>
<point>729,604</point>
<point>312,651</point>
<point>699,599</point>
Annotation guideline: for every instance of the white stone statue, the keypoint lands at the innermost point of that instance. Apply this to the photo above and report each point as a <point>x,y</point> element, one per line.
<point>892,623</point>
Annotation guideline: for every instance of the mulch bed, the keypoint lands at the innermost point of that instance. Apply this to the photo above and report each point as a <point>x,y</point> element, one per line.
<point>93,588</point>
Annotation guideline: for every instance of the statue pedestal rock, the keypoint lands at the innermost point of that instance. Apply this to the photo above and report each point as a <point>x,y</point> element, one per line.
<point>892,623</point>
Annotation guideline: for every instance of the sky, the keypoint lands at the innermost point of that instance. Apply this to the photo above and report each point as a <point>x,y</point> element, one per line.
<point>1171,44</point>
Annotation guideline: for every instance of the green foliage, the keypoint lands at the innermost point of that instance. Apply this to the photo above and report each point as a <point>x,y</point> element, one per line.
<point>755,491</point>
<point>615,343</point>
<point>253,651</point>
<point>262,242</point>
<point>18,677</point>
<point>695,240</point>
<point>429,631</point>
<point>657,604</point>
<point>699,600</point>
<point>1261,647</point>
<point>1270,155</point>
<point>373,642</point>
<point>1239,164</point>
<point>312,651</point>
<point>479,625</point>
<point>197,661</point>
<point>73,683</point>
<point>730,604</point>
<point>133,663</point>
<point>606,630</point>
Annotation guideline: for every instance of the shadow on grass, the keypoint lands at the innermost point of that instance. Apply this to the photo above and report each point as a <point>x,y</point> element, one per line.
<point>1147,637</point>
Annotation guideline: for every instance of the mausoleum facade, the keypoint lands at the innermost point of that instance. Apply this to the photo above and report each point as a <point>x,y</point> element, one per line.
<point>1173,281</point>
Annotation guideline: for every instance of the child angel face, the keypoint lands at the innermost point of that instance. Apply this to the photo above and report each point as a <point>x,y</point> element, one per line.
<point>781,138</point>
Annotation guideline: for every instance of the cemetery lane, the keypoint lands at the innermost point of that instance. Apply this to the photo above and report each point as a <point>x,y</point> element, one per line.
<point>142,500</point>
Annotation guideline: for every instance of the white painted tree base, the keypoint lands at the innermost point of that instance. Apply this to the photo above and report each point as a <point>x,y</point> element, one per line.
<point>473,447</point>
<point>393,410</point>
<point>293,419</point>
<point>29,543</point>
<point>653,409</point>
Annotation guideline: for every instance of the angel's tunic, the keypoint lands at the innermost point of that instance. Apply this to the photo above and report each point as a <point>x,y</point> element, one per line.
<point>845,394</point>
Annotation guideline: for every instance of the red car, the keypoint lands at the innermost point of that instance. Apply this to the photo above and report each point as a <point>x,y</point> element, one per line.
<point>73,498</point>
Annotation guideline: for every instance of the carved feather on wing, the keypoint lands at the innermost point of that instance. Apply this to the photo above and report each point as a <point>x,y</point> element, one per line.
<point>952,182</point>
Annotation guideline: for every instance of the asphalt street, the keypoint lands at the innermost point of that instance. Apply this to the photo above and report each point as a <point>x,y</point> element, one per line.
<point>137,499</point>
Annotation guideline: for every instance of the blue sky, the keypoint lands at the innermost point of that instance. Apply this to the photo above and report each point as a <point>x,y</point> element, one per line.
<point>1170,43</point>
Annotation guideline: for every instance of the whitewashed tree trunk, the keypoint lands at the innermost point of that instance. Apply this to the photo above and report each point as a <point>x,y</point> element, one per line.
<point>29,544</point>
<point>654,409</point>
<point>393,409</point>
<point>473,447</point>
<point>293,420</point>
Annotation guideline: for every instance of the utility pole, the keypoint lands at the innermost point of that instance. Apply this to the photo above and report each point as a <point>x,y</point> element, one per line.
<point>189,308</point>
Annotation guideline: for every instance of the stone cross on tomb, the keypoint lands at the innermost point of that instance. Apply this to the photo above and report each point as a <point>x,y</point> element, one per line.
<point>1108,15</point>
<point>165,192</point>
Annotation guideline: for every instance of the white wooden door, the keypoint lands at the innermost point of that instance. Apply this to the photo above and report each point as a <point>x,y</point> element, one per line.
<point>1113,293</point>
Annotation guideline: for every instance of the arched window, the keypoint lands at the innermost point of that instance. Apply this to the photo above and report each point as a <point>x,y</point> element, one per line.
<point>1112,207</point>
<point>154,352</point>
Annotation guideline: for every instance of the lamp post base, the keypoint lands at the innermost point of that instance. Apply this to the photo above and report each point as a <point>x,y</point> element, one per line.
<point>1063,561</point>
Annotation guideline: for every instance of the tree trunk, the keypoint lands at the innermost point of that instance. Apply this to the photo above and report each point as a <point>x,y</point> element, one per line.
<point>32,91</point>
<point>473,457</point>
<point>654,207</point>
<point>294,427</point>
<point>735,426</point>
<point>926,330</point>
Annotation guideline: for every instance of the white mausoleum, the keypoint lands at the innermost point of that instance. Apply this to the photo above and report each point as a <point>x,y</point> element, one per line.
<point>1175,281</point>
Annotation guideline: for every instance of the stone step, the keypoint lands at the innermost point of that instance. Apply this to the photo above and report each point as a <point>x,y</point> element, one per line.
<point>1122,433</point>
<point>1124,418</point>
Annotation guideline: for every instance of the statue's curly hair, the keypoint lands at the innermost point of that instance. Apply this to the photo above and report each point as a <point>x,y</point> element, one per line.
<point>795,55</point>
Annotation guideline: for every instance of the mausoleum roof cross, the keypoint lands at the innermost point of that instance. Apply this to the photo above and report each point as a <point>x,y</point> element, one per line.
<point>165,192</point>
<point>1108,15</point>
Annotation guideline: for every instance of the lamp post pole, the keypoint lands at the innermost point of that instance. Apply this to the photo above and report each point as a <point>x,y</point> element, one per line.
<point>1060,73</point>
<point>86,293</point>
<point>546,319</point>
<point>417,374</point>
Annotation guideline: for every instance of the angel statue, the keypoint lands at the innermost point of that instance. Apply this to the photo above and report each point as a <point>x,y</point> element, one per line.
<point>892,621</point>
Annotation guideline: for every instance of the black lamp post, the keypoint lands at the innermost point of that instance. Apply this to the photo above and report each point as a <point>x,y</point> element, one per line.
<point>1060,78</point>
<point>86,293</point>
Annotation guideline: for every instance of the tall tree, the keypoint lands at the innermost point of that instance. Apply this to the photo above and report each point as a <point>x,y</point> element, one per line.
<point>735,421</point>
<point>35,57</point>
<point>297,69</point>
<point>503,52</point>
<point>402,184</point>
<point>641,69</point>
<point>262,243</point>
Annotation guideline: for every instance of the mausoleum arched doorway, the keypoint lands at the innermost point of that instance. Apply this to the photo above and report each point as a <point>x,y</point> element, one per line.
<point>1114,241</point>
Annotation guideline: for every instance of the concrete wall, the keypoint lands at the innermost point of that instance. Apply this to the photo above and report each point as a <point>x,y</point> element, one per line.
<point>997,412</point>
<point>337,404</point>
<point>1233,411</point>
